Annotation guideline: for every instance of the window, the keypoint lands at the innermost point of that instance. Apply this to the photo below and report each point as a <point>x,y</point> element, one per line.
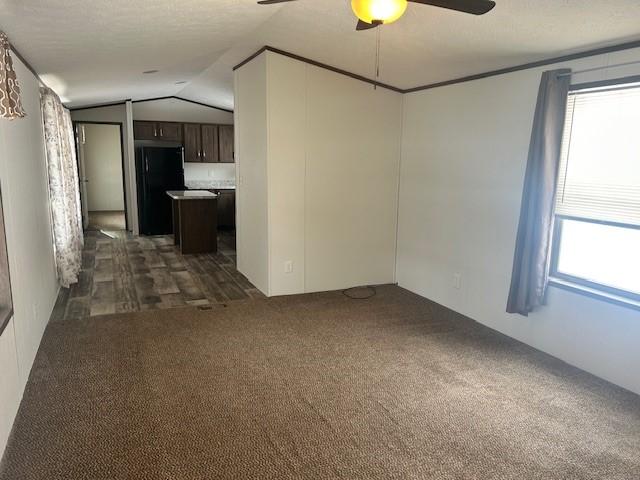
<point>597,217</point>
<point>6,305</point>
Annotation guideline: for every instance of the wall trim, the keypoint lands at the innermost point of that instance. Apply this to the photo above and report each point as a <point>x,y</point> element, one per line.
<point>122,102</point>
<point>250,57</point>
<point>527,66</point>
<point>318,64</point>
<point>469,78</point>
<point>175,97</point>
<point>98,105</point>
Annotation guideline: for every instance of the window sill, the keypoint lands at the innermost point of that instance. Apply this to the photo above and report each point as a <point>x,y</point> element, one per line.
<point>594,293</point>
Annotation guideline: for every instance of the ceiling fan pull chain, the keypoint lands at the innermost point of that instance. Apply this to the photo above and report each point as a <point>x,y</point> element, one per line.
<point>375,85</point>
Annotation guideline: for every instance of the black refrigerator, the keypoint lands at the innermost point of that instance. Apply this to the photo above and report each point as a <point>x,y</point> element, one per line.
<point>158,168</point>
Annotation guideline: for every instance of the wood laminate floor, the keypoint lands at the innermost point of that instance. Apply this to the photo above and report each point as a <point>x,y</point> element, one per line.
<point>131,274</point>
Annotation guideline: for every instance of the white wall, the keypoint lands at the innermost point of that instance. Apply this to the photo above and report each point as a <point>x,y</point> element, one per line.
<point>102,149</point>
<point>464,154</point>
<point>251,159</point>
<point>287,129</point>
<point>351,194</point>
<point>176,110</point>
<point>119,114</point>
<point>29,243</point>
<point>332,175</point>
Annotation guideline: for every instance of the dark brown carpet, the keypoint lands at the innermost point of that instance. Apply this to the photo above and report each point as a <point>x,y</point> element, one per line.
<point>313,387</point>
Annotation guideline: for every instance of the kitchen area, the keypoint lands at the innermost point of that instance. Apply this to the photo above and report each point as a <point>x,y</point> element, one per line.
<point>185,182</point>
<point>170,146</point>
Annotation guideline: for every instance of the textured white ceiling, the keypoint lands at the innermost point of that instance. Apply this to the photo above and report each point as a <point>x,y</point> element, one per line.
<point>95,51</point>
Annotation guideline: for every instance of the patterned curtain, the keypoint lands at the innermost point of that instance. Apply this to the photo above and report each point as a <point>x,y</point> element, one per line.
<point>10,104</point>
<point>64,192</point>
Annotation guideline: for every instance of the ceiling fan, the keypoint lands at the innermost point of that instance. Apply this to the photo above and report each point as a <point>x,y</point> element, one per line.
<point>373,13</point>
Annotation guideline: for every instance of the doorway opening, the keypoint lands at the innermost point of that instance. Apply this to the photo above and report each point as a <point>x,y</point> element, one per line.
<point>101,168</point>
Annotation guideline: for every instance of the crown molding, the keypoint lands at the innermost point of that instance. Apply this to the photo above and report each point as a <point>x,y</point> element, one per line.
<point>318,64</point>
<point>527,66</point>
<point>469,78</point>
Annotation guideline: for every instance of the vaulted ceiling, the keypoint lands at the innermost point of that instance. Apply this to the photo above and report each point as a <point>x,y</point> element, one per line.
<point>95,52</point>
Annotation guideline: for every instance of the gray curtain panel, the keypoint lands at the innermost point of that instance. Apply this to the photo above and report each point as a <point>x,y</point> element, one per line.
<point>531,260</point>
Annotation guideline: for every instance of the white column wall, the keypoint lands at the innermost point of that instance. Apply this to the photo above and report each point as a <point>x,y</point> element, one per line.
<point>333,150</point>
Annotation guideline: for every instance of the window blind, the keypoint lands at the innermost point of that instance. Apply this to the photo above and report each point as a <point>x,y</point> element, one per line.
<point>599,175</point>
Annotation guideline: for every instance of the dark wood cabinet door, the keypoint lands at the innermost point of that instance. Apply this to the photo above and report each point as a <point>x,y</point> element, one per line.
<point>169,131</point>
<point>145,130</point>
<point>225,133</point>
<point>226,208</point>
<point>192,143</point>
<point>210,144</point>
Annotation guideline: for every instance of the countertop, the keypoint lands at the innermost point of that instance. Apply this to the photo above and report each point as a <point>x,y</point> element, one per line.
<point>191,195</point>
<point>210,184</point>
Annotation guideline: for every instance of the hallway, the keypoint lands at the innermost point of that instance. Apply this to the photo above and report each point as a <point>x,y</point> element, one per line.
<point>131,274</point>
<point>109,221</point>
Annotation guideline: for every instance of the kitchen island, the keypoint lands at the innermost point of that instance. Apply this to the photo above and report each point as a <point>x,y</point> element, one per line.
<point>195,224</point>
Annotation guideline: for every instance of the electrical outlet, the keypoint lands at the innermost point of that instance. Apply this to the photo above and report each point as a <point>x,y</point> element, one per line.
<point>457,281</point>
<point>212,173</point>
<point>288,266</point>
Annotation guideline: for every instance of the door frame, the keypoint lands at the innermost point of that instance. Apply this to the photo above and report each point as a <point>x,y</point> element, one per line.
<point>76,124</point>
<point>78,134</point>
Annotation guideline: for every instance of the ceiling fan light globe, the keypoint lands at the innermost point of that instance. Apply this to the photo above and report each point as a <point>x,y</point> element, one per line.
<point>386,11</point>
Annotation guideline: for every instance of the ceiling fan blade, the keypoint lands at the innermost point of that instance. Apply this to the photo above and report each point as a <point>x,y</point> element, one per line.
<point>270,2</point>
<point>366,26</point>
<point>475,7</point>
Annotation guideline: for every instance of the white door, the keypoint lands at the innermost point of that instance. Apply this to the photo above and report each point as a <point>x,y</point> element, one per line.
<point>81,140</point>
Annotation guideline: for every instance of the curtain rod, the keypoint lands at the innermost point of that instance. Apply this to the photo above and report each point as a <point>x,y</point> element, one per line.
<point>595,69</point>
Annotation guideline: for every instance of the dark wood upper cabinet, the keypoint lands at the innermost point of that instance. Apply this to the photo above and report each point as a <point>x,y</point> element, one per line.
<point>144,130</point>
<point>202,142</point>
<point>169,131</point>
<point>161,131</point>
<point>210,152</point>
<point>192,142</point>
<point>225,133</point>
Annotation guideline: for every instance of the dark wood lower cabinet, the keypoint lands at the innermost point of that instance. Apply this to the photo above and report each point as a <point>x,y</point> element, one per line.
<point>195,225</point>
<point>226,208</point>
